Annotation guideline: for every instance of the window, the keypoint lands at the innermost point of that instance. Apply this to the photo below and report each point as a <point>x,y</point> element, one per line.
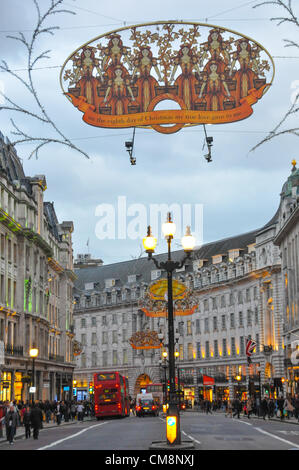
<point>240,297</point>
<point>206,325</point>
<point>114,357</point>
<point>247,295</point>
<point>124,335</point>
<point>197,326</point>
<point>249,318</point>
<point>93,359</point>
<point>233,346</point>
<point>215,328</point>
<point>222,301</point>
<point>83,339</point>
<point>232,320</point>
<point>93,338</point>
<point>114,318</point>
<point>114,336</point>
<point>214,303</point>
<point>223,325</point>
<point>198,351</point>
<point>181,350</point>
<point>241,319</point>
<point>83,360</point>
<point>216,351</point>
<point>104,337</point>
<point>155,274</point>
<point>256,315</point>
<point>231,298</point>
<point>255,293</point>
<point>224,347</point>
<point>83,323</point>
<point>242,345</point>
<point>104,320</point>
<point>190,352</point>
<point>105,358</point>
<point>189,327</point>
<point>125,356</point>
<point>207,349</point>
<point>93,321</point>
<point>206,305</point>
<point>124,317</point>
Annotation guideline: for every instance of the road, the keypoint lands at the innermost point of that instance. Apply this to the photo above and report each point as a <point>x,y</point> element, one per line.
<point>208,432</point>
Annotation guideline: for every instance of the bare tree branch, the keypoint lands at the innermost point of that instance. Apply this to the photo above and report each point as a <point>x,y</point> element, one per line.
<point>286,5</point>
<point>29,83</point>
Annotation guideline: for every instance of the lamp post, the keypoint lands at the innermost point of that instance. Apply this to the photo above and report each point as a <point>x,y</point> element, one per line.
<point>33,352</point>
<point>149,243</point>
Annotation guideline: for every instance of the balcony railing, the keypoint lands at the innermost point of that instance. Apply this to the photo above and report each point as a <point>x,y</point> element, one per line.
<point>56,358</point>
<point>12,350</point>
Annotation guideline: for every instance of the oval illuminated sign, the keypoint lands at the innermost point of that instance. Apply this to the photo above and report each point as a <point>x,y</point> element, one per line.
<point>135,76</point>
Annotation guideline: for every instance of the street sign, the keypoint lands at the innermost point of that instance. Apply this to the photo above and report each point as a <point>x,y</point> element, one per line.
<point>32,389</point>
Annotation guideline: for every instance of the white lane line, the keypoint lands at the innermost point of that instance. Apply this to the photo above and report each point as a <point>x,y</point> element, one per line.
<point>277,437</point>
<point>241,421</point>
<point>71,437</point>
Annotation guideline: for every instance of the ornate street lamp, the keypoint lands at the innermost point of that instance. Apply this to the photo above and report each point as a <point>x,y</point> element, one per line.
<point>188,243</point>
<point>33,353</point>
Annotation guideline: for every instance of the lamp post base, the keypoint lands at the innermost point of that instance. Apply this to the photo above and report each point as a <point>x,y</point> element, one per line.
<point>162,445</point>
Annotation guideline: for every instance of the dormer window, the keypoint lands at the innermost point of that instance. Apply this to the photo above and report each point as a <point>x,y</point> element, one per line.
<point>216,259</point>
<point>233,254</point>
<point>109,283</point>
<point>155,274</point>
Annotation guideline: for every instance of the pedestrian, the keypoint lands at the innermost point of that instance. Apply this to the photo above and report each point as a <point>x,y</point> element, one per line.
<point>11,420</point>
<point>36,418</point>
<point>280,407</point>
<point>288,407</point>
<point>229,409</point>
<point>58,413</point>
<point>73,411</point>
<point>271,408</point>
<point>80,410</point>
<point>296,407</point>
<point>264,407</point>
<point>237,406</point>
<point>249,407</point>
<point>27,422</point>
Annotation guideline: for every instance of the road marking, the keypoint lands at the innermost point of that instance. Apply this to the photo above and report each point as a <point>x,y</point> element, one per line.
<point>71,437</point>
<point>191,437</point>
<point>277,437</point>
<point>241,421</point>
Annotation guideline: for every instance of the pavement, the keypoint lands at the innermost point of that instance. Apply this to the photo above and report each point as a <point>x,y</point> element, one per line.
<point>20,432</point>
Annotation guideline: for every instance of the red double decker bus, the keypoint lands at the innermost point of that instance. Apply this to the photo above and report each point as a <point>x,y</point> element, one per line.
<point>111,394</point>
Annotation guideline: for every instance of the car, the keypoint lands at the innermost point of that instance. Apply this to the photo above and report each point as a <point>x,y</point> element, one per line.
<point>147,407</point>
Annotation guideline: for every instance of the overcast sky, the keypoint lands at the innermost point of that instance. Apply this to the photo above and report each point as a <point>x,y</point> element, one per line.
<point>239,189</point>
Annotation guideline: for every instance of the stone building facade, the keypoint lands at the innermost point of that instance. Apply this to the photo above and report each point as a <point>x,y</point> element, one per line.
<point>36,284</point>
<point>238,285</point>
<point>287,239</point>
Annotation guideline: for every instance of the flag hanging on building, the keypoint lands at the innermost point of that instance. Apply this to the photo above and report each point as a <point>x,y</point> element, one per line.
<point>250,345</point>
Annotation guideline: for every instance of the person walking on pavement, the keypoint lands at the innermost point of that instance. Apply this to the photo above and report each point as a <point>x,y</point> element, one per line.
<point>264,407</point>
<point>280,407</point>
<point>237,406</point>
<point>73,411</point>
<point>36,418</point>
<point>27,422</point>
<point>11,420</point>
<point>229,409</point>
<point>249,407</point>
<point>80,410</point>
<point>288,407</point>
<point>296,407</point>
<point>58,413</point>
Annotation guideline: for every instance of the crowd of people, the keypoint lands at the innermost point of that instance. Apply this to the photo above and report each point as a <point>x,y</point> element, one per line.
<point>32,415</point>
<point>283,408</point>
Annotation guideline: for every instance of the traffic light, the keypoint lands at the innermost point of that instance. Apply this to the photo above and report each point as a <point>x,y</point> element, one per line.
<point>90,388</point>
<point>168,385</point>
